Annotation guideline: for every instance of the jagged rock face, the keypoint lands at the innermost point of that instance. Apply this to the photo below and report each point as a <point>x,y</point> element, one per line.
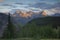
<point>3,23</point>
<point>44,13</point>
<point>19,17</point>
<point>22,17</point>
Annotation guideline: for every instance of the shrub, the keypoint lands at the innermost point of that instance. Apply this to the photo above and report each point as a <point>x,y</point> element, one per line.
<point>58,33</point>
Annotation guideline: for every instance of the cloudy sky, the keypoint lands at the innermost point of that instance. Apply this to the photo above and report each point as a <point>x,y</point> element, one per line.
<point>30,1</point>
<point>8,7</point>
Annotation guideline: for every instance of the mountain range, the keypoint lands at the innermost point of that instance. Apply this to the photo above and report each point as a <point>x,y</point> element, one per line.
<point>23,17</point>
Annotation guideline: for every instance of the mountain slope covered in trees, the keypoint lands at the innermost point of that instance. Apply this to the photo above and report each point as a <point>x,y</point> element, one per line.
<point>47,27</point>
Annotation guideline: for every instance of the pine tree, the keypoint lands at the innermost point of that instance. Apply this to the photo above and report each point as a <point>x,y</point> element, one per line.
<point>10,30</point>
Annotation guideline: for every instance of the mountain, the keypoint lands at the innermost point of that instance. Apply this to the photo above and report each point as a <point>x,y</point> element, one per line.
<point>3,22</point>
<point>56,14</point>
<point>41,27</point>
<point>51,20</point>
<point>23,17</point>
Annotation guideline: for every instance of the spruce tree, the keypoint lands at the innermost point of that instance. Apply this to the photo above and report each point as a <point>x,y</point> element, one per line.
<point>10,30</point>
